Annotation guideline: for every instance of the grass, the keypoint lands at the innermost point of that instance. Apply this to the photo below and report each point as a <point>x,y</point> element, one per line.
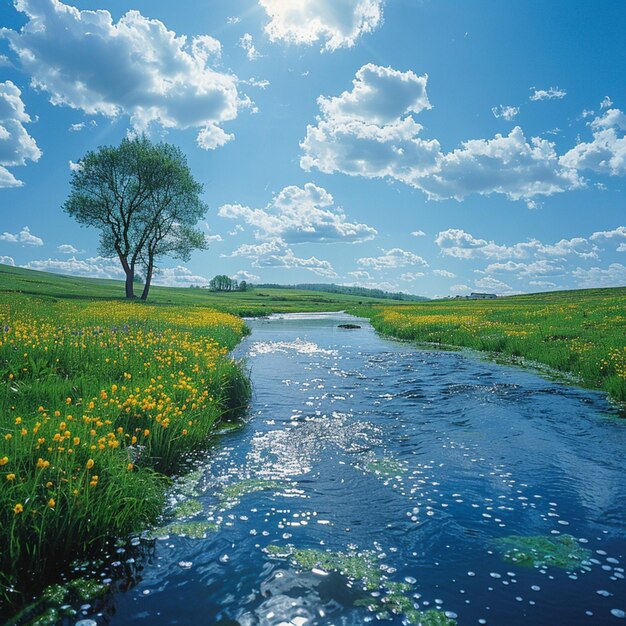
<point>252,303</point>
<point>99,402</point>
<point>575,332</point>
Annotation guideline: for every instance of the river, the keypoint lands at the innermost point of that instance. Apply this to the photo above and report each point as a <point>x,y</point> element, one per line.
<point>423,467</point>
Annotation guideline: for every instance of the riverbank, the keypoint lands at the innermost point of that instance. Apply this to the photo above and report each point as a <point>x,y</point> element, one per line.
<point>99,403</point>
<point>574,332</point>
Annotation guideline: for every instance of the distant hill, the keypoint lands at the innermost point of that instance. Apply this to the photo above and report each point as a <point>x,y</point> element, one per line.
<point>348,291</point>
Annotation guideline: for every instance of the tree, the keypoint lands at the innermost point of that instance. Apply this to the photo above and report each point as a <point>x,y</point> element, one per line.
<point>143,199</point>
<point>243,286</point>
<point>173,209</point>
<point>222,282</point>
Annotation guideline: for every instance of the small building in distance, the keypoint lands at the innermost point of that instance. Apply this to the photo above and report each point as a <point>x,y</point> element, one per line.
<point>482,296</point>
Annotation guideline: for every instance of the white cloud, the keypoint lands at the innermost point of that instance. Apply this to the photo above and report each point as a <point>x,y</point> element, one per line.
<point>213,239</point>
<point>444,273</point>
<point>24,236</point>
<point>418,233</point>
<point>76,128</point>
<point>74,167</point>
<point>247,43</point>
<point>505,112</point>
<point>606,154</point>
<point>458,243</point>
<point>16,145</point>
<point>7,260</point>
<point>542,283</point>
<point>459,289</point>
<point>335,23</point>
<point>371,132</point>
<point>179,276</point>
<point>245,275</point>
<point>510,165</point>
<point>552,93</point>
<point>396,257</point>
<point>93,267</point>
<point>619,232</point>
<point>536,268</point>
<point>253,82</point>
<point>606,103</point>
<point>361,275</point>
<point>135,66</point>
<point>410,277</point>
<point>67,248</point>
<point>489,283</point>
<point>612,276</point>
<point>277,254</point>
<point>298,215</point>
<point>621,247</point>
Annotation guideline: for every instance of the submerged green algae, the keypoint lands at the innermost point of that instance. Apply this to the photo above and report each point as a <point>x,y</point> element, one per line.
<point>187,508</point>
<point>232,494</point>
<point>539,551</point>
<point>57,602</point>
<point>386,467</point>
<point>191,530</point>
<point>364,567</point>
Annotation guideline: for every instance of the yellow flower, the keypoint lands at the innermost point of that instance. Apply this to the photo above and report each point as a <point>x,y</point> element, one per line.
<point>130,467</point>
<point>10,476</point>
<point>4,460</point>
<point>18,508</point>
<point>76,440</point>
<point>51,503</point>
<point>8,436</point>
<point>89,464</point>
<point>18,420</point>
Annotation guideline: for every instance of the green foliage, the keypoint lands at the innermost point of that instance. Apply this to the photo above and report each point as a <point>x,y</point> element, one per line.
<point>539,551</point>
<point>573,332</point>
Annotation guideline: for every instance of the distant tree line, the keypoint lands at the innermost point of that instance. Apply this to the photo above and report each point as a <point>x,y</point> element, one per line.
<point>351,291</point>
<point>226,283</point>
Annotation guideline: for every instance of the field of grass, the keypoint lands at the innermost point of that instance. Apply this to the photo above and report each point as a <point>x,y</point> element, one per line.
<point>251,303</point>
<point>578,332</point>
<point>99,401</point>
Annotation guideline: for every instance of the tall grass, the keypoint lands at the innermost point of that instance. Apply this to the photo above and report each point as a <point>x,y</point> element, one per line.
<point>581,333</point>
<point>98,402</point>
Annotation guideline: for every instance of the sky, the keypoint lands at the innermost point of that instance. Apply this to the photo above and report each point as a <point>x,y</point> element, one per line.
<point>434,147</point>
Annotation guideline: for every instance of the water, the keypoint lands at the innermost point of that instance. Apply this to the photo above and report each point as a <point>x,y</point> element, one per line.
<point>423,459</point>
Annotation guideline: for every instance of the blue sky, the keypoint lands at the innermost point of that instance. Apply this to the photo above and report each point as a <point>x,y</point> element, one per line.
<point>433,147</point>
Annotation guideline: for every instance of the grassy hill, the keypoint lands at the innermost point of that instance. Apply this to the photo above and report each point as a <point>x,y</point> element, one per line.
<point>257,302</point>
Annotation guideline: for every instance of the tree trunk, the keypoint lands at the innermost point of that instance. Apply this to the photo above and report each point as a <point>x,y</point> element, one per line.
<point>146,287</point>
<point>130,276</point>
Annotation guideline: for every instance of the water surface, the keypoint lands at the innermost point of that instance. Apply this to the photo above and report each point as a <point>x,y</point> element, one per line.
<point>423,458</point>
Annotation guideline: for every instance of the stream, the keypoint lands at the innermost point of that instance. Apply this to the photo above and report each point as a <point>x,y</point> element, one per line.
<point>373,479</point>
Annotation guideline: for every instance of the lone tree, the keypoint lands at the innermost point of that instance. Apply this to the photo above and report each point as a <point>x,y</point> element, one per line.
<point>143,199</point>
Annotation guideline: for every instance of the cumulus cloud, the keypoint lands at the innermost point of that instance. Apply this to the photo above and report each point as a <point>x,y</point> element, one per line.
<point>509,165</point>
<point>619,232</point>
<point>24,237</point>
<point>552,93</point>
<point>247,43</point>
<point>93,267</point>
<point>410,277</point>
<point>371,131</point>
<point>505,111</point>
<point>612,276</point>
<point>277,254</point>
<point>418,233</point>
<point>135,66</point>
<point>67,248</point>
<point>298,215</point>
<point>545,284</point>
<point>178,276</point>
<point>540,267</point>
<point>606,103</point>
<point>444,273</point>
<point>393,258</point>
<point>459,289</point>
<point>458,243</point>
<point>606,153</point>
<point>489,283</point>
<point>16,145</point>
<point>621,247</point>
<point>335,24</point>
<point>7,260</point>
<point>245,275</point>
